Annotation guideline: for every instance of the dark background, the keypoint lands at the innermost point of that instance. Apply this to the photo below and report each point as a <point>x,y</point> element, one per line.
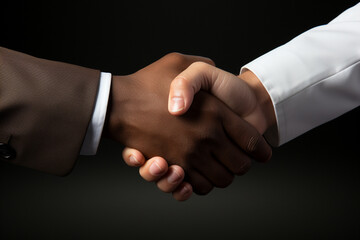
<point>310,189</point>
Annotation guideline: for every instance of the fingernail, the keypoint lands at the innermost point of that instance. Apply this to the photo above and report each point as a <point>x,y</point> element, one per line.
<point>155,169</point>
<point>185,190</point>
<point>177,104</point>
<point>133,160</point>
<point>173,178</point>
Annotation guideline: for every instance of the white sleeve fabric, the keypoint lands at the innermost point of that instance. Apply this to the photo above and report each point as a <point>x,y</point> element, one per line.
<point>96,125</point>
<point>314,78</point>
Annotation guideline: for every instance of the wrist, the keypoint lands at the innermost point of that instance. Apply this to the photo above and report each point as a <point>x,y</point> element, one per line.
<point>265,108</point>
<point>117,97</point>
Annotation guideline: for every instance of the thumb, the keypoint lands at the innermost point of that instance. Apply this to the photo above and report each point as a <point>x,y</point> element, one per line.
<point>231,90</point>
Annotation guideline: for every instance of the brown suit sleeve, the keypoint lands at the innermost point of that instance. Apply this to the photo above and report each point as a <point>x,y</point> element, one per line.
<point>45,109</point>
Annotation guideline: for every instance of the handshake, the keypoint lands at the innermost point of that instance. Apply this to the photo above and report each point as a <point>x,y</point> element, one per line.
<point>188,125</point>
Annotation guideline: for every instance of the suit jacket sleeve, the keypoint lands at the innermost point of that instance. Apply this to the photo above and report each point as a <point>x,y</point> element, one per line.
<point>313,78</point>
<point>45,108</point>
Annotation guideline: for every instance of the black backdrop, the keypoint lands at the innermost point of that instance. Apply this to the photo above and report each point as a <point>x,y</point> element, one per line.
<point>310,189</point>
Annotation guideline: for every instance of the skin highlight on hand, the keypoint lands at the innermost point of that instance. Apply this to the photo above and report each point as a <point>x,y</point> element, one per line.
<point>181,190</point>
<point>153,169</point>
<point>177,104</point>
<point>133,158</point>
<point>171,180</point>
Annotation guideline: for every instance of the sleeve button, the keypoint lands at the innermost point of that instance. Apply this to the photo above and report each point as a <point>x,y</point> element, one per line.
<point>6,151</point>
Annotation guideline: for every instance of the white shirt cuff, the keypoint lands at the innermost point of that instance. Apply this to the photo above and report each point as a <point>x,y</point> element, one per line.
<point>314,78</point>
<point>96,125</point>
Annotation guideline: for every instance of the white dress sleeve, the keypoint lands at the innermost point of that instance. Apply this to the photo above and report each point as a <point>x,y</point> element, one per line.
<point>96,125</point>
<point>314,78</point>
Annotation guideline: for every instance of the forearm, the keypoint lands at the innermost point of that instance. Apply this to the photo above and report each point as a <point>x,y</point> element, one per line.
<point>45,109</point>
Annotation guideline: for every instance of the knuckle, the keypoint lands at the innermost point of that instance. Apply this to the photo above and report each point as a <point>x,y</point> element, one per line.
<point>203,138</point>
<point>206,61</point>
<point>199,65</point>
<point>207,138</point>
<point>175,57</point>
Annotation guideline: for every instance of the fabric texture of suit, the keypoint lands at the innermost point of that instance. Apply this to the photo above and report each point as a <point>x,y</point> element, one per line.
<point>45,109</point>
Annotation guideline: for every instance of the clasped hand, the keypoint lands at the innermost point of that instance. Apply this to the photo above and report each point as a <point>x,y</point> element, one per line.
<point>211,137</point>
